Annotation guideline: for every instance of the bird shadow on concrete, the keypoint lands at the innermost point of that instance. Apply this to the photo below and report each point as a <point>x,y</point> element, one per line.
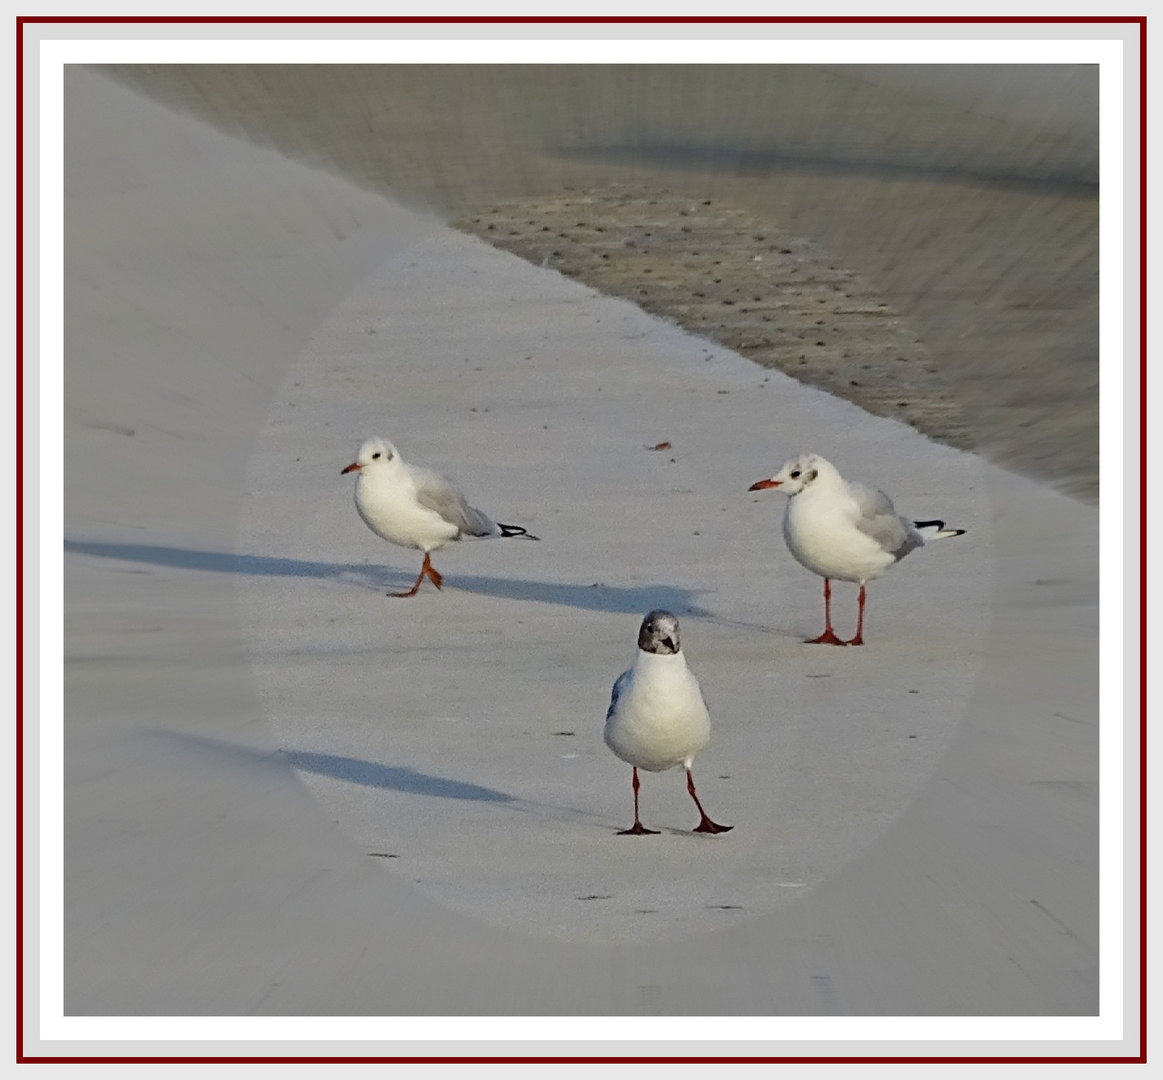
<point>225,756</point>
<point>596,596</point>
<point>588,596</point>
<point>371,774</point>
<point>404,779</point>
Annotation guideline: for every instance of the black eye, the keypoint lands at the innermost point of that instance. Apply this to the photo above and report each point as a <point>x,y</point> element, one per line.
<point>795,474</point>
<point>375,456</point>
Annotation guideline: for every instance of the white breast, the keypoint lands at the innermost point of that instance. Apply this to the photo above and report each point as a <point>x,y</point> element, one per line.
<point>391,511</point>
<point>660,720</point>
<point>821,533</point>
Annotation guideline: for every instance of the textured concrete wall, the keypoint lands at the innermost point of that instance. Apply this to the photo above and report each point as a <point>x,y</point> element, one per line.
<point>966,196</point>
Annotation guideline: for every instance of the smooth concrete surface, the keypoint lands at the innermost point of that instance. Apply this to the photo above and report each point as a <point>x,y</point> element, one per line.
<point>248,719</point>
<point>458,735</point>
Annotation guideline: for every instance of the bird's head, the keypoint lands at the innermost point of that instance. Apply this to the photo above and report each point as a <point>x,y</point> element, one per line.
<point>659,634</point>
<point>795,475</point>
<point>373,454</point>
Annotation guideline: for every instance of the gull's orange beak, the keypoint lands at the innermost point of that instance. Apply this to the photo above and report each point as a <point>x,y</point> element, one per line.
<point>760,485</point>
<point>351,468</point>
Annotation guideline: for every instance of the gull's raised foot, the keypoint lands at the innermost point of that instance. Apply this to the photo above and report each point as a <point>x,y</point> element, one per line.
<point>426,571</point>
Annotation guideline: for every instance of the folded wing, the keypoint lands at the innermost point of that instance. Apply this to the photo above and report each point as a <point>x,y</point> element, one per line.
<point>441,495</point>
<point>878,519</point>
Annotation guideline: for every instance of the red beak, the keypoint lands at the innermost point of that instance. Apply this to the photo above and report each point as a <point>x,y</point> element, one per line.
<point>351,468</point>
<point>762,484</point>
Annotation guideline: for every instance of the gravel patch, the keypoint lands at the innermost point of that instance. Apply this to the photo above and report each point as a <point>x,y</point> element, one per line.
<point>720,272</point>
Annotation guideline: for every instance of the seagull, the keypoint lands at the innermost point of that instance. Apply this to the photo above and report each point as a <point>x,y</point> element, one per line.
<point>417,508</point>
<point>842,530</point>
<point>657,718</point>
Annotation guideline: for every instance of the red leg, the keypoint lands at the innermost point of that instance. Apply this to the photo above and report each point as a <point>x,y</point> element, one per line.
<point>434,575</point>
<point>705,823</point>
<point>828,637</point>
<point>427,570</point>
<point>859,638</point>
<point>637,829</point>
<point>413,590</point>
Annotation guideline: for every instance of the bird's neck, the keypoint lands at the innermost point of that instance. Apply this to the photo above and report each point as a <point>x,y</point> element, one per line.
<point>649,663</point>
<point>383,473</point>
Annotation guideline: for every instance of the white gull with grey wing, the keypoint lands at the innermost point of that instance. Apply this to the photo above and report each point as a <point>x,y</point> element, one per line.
<point>415,507</point>
<point>843,530</point>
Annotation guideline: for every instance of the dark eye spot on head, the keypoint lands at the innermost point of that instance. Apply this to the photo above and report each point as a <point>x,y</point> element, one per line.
<point>375,456</point>
<point>811,475</point>
<point>795,474</point>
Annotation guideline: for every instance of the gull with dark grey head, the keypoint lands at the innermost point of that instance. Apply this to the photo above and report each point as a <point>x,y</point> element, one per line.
<point>657,719</point>
<point>417,508</point>
<point>842,530</point>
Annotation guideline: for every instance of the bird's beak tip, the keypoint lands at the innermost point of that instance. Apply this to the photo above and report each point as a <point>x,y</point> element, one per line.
<point>350,468</point>
<point>760,485</point>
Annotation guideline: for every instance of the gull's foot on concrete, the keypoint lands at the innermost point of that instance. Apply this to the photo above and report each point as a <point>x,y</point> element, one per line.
<point>638,829</point>
<point>828,637</point>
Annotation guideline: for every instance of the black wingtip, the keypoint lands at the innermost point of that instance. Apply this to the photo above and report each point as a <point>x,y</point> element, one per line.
<point>939,530</point>
<point>509,531</point>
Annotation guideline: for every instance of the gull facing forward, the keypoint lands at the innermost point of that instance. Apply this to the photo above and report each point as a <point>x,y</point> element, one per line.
<point>657,718</point>
<point>417,508</point>
<point>843,530</point>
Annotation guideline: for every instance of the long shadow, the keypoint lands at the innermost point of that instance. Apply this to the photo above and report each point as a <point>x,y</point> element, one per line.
<point>391,777</point>
<point>224,754</point>
<point>222,562</point>
<point>620,599</point>
<point>596,596</point>
<point>370,774</point>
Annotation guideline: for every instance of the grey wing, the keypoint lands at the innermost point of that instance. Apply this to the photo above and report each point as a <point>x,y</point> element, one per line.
<point>440,494</point>
<point>620,685</point>
<point>878,519</point>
